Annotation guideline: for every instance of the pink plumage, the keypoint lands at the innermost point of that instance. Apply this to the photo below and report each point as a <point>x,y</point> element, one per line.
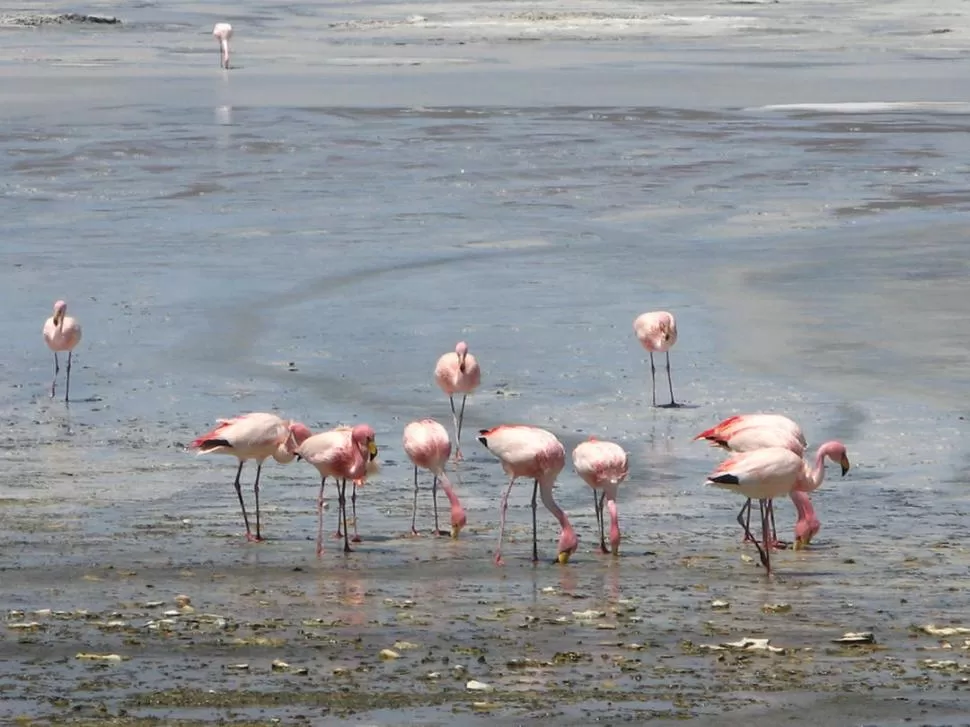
<point>807,525</point>
<point>427,445</point>
<point>603,466</point>
<point>537,454</point>
<point>223,32</point>
<point>767,473</point>
<point>62,333</point>
<point>657,333</point>
<point>257,436</point>
<point>747,432</point>
<point>345,454</point>
<point>458,373</point>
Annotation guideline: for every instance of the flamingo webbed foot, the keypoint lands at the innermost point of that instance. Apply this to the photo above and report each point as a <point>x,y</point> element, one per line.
<point>355,539</point>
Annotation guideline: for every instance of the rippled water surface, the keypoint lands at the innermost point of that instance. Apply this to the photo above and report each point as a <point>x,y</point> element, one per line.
<point>309,231</point>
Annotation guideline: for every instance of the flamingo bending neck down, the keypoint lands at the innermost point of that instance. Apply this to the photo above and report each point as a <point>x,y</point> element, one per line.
<point>343,453</point>
<point>535,453</point>
<point>603,466</point>
<point>764,474</point>
<point>427,445</point>
<point>807,525</point>
<point>747,432</point>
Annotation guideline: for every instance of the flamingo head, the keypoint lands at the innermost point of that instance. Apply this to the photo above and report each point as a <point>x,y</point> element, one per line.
<point>363,436</point>
<point>60,310</point>
<point>835,451</point>
<point>299,433</point>
<point>458,521</point>
<point>568,543</point>
<point>462,351</point>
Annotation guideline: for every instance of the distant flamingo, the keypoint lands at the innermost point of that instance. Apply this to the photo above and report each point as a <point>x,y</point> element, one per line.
<point>343,455</point>
<point>603,466</point>
<point>765,474</point>
<point>747,432</point>
<point>657,332</point>
<point>458,373</point>
<point>537,454</point>
<point>426,444</point>
<point>62,333</point>
<point>222,33</point>
<point>252,436</point>
<point>807,525</point>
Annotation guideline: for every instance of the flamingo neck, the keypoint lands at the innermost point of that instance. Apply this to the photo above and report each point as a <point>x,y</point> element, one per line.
<point>814,478</point>
<point>545,492</point>
<point>224,47</point>
<point>614,524</point>
<point>457,512</point>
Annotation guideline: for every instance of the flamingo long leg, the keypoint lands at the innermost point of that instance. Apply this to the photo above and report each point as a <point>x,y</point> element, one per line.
<point>242,504</point>
<point>501,522</point>
<point>320,518</point>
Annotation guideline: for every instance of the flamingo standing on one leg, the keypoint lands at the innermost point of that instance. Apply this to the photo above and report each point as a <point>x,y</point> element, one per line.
<point>252,436</point>
<point>62,333</point>
<point>428,447</point>
<point>807,525</point>
<point>657,332</point>
<point>458,373</point>
<point>222,33</point>
<point>537,454</point>
<point>343,455</point>
<point>767,473</point>
<point>603,466</point>
<point>747,432</point>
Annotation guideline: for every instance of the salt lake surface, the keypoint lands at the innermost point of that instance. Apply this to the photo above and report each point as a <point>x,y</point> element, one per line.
<point>373,182</point>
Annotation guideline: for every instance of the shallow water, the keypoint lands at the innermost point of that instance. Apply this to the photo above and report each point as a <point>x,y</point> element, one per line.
<point>309,231</point>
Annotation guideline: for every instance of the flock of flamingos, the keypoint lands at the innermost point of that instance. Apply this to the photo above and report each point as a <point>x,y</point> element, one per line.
<point>766,460</point>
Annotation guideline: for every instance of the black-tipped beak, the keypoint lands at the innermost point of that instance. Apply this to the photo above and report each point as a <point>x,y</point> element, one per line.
<point>483,441</point>
<point>845,465</point>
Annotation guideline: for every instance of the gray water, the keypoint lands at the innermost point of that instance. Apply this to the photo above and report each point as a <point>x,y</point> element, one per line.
<point>309,231</point>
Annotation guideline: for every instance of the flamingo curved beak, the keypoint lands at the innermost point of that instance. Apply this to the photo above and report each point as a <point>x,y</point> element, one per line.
<point>844,462</point>
<point>455,529</point>
<point>372,449</point>
<point>564,557</point>
<point>799,544</point>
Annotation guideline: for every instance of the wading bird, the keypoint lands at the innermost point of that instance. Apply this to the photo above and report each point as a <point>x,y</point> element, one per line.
<point>62,333</point>
<point>253,436</point>
<point>657,332</point>
<point>343,454</point>
<point>427,445</point>
<point>458,373</point>
<point>535,453</point>
<point>222,33</point>
<point>603,466</point>
<point>764,474</point>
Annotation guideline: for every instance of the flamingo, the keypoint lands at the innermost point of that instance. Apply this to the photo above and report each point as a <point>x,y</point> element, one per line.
<point>767,473</point>
<point>807,525</point>
<point>657,332</point>
<point>222,33</point>
<point>428,447</point>
<point>62,333</point>
<point>257,435</point>
<point>747,432</point>
<point>535,453</point>
<point>603,466</point>
<point>372,468</point>
<point>342,453</point>
<point>458,373</point>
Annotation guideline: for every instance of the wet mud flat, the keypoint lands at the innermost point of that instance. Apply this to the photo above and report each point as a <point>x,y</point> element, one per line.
<point>164,622</point>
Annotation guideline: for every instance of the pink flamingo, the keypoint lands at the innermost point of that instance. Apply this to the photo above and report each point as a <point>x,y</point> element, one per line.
<point>372,467</point>
<point>657,332</point>
<point>222,33</point>
<point>458,373</point>
<point>807,525</point>
<point>344,455</point>
<point>765,474</point>
<point>747,432</point>
<point>603,466</point>
<point>537,454</point>
<point>252,436</point>
<point>62,333</point>
<point>428,447</point>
